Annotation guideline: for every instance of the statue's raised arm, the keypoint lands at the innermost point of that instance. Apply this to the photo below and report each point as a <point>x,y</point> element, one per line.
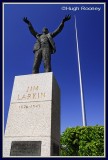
<point>59,29</point>
<point>31,29</point>
<point>66,18</point>
<point>26,20</point>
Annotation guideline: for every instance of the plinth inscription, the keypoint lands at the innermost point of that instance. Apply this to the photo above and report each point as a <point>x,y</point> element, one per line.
<point>31,93</point>
<point>25,148</point>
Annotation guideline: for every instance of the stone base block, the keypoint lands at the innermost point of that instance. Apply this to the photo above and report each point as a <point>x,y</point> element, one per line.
<point>33,125</point>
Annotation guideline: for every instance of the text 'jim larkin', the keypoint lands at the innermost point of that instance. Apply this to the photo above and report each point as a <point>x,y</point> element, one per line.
<point>31,93</point>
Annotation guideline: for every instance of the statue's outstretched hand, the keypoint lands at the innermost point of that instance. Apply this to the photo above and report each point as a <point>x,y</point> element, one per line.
<point>66,18</point>
<point>26,20</point>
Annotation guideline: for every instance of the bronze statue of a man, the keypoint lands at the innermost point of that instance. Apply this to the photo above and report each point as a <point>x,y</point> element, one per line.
<point>44,45</point>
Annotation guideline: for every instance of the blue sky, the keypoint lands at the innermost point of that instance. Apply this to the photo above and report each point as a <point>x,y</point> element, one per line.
<point>18,56</point>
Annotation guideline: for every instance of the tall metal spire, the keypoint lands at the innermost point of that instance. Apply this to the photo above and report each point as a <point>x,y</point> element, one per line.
<point>80,79</point>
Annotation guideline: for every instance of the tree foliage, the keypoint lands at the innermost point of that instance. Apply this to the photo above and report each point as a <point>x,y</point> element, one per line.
<point>83,141</point>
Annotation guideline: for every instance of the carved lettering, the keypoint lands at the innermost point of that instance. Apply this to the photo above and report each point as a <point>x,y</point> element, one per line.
<point>32,88</point>
<point>35,88</point>
<point>29,106</point>
<point>42,95</point>
<point>24,96</point>
<point>18,97</point>
<point>38,95</point>
<point>34,95</point>
<point>31,94</point>
<point>28,96</point>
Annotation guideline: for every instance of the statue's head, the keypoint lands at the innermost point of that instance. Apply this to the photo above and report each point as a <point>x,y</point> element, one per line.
<point>45,30</point>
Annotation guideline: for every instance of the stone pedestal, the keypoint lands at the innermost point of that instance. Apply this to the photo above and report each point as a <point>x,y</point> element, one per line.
<point>33,124</point>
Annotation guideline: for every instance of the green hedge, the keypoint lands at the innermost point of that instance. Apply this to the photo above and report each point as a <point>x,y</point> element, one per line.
<point>83,141</point>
